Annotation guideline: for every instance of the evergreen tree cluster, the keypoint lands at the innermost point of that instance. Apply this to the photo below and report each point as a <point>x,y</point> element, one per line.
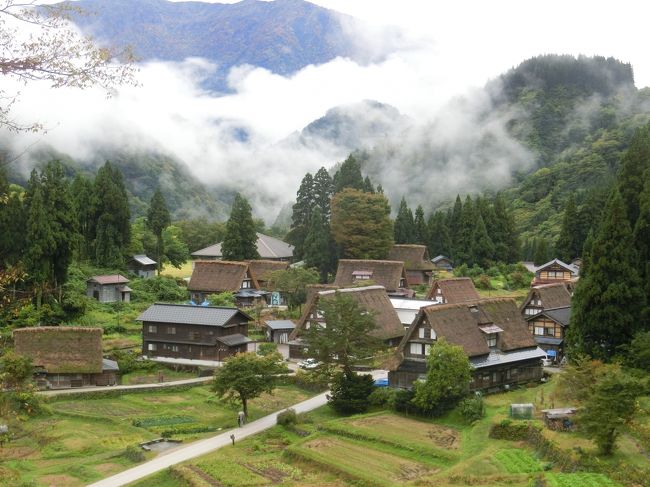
<point>479,231</point>
<point>611,303</point>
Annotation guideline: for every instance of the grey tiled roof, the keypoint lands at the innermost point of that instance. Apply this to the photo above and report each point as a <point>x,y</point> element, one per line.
<point>234,339</point>
<point>281,324</point>
<point>549,340</point>
<point>561,315</point>
<point>496,357</point>
<point>108,364</point>
<point>267,247</point>
<point>188,314</point>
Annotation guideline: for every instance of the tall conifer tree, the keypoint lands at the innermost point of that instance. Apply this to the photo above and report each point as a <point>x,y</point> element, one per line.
<point>482,248</point>
<point>158,219</point>
<point>608,300</point>
<point>454,223</point>
<point>635,162</point>
<point>420,227</point>
<point>305,201</point>
<point>83,197</point>
<point>240,242</point>
<point>349,176</point>
<point>404,224</point>
<point>323,192</point>
<point>463,244</point>
<point>504,233</point>
<point>567,246</point>
<point>439,241</point>
<point>317,245</point>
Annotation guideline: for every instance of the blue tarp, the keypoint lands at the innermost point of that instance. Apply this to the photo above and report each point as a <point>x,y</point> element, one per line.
<point>551,353</point>
<point>381,382</point>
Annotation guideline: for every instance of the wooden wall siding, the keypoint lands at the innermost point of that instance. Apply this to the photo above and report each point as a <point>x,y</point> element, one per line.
<point>558,275</point>
<point>194,333</point>
<point>416,277</point>
<point>217,352</point>
<point>65,381</point>
<point>546,324</point>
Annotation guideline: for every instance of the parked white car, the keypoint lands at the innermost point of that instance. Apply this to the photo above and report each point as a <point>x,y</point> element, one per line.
<point>547,361</point>
<point>308,364</point>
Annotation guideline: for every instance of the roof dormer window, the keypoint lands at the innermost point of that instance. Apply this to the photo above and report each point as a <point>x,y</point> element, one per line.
<point>362,275</point>
<point>491,333</point>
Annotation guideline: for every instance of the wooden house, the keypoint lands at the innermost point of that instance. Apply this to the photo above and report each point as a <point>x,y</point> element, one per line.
<point>387,273</point>
<point>491,332</point>
<point>418,265</point>
<point>546,296</point>
<point>371,298</point>
<point>443,263</point>
<point>190,332</point>
<point>278,331</point>
<point>66,356</point>
<point>109,288</point>
<point>554,271</point>
<point>453,291</point>
<point>268,248</point>
<point>548,328</point>
<point>142,266</point>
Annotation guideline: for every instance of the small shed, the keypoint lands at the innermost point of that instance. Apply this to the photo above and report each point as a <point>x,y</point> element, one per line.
<point>559,419</point>
<point>142,266</point>
<point>522,411</point>
<point>443,262</point>
<point>109,288</point>
<point>278,331</point>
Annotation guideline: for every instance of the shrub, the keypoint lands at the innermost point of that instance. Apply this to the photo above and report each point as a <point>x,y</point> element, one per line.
<point>287,418</point>
<point>350,392</point>
<point>472,408</point>
<point>267,348</point>
<point>483,282</point>
<point>222,299</point>
<point>314,381</point>
<point>159,288</point>
<point>134,454</point>
<point>383,397</point>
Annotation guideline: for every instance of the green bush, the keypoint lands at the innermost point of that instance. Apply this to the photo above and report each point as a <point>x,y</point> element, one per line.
<point>383,397</point>
<point>159,288</point>
<point>134,454</point>
<point>350,392</point>
<point>162,421</point>
<point>483,282</point>
<point>130,361</point>
<point>267,348</point>
<point>314,380</point>
<point>287,417</point>
<point>472,408</point>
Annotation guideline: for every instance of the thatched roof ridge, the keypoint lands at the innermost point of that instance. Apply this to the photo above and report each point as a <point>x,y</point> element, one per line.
<point>556,295</point>
<point>373,299</point>
<point>455,290</point>
<point>386,273</point>
<point>219,276</point>
<point>459,324</point>
<point>260,269</point>
<point>415,257</point>
<point>61,349</point>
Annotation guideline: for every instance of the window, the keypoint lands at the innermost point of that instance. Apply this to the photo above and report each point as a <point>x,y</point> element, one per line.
<point>195,335</point>
<point>152,329</point>
<point>439,291</point>
<point>151,347</point>
<point>492,340</point>
<point>416,349</point>
<point>513,371</point>
<point>174,348</point>
<point>549,331</point>
<point>494,376</point>
<point>171,330</point>
<point>539,330</point>
<point>421,332</point>
<point>402,282</point>
<point>246,284</point>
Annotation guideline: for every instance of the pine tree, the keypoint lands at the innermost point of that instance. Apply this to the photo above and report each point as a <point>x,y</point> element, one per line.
<point>112,231</point>
<point>367,185</point>
<point>12,223</point>
<point>454,224</point>
<point>420,233</point>
<point>635,162</point>
<point>317,245</point>
<point>349,176</point>
<point>504,233</point>
<point>482,248</point>
<point>158,219</point>
<point>541,255</point>
<point>84,197</point>
<point>642,244</point>
<point>323,192</point>
<point>305,201</point>
<point>567,245</point>
<point>608,301</point>
<point>439,240</point>
<point>463,244</point>
<point>240,242</point>
<point>404,224</point>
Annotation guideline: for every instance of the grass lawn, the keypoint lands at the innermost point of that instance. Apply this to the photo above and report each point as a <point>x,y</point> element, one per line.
<point>84,440</point>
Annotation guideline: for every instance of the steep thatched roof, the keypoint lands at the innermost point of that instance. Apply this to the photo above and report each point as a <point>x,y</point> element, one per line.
<point>454,290</point>
<point>415,257</point>
<point>260,269</point>
<point>386,273</point>
<point>555,295</point>
<point>313,289</point>
<point>219,276</point>
<point>460,324</point>
<point>371,298</point>
<point>61,349</point>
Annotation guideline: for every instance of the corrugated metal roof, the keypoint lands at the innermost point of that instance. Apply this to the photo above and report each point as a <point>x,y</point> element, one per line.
<point>188,314</point>
<point>108,364</point>
<point>109,279</point>
<point>549,340</point>
<point>281,324</point>
<point>496,357</point>
<point>144,260</point>
<point>234,339</point>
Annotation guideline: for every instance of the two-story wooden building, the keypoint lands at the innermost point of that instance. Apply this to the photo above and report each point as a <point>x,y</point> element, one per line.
<point>555,271</point>
<point>453,291</point>
<point>193,332</point>
<point>548,328</point>
<point>547,296</point>
<point>373,299</point>
<point>491,332</point>
<point>66,356</point>
<point>390,274</point>
<point>417,264</point>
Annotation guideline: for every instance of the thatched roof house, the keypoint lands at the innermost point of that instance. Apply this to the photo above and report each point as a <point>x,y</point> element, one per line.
<point>72,354</point>
<point>387,273</point>
<point>546,296</point>
<point>260,269</point>
<point>453,291</point>
<point>371,298</point>
<point>492,334</point>
<point>416,260</point>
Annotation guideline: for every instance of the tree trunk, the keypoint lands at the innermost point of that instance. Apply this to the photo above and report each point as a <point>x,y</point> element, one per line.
<point>244,403</point>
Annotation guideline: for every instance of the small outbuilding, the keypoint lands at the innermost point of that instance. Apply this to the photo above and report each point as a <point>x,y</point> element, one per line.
<point>560,419</point>
<point>142,266</point>
<point>278,331</point>
<point>109,288</point>
<point>443,262</point>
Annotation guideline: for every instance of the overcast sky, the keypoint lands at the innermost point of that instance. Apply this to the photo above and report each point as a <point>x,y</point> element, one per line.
<point>453,48</point>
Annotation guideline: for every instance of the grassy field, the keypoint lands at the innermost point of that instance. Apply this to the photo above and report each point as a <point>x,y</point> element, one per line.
<point>389,449</point>
<point>85,440</point>
<point>184,271</point>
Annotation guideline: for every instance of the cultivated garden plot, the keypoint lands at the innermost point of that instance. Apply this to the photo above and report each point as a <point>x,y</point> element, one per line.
<point>517,461</point>
<point>581,479</point>
<point>86,439</point>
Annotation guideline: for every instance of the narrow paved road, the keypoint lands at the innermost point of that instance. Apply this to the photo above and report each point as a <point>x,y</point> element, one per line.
<point>155,385</point>
<point>202,447</point>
